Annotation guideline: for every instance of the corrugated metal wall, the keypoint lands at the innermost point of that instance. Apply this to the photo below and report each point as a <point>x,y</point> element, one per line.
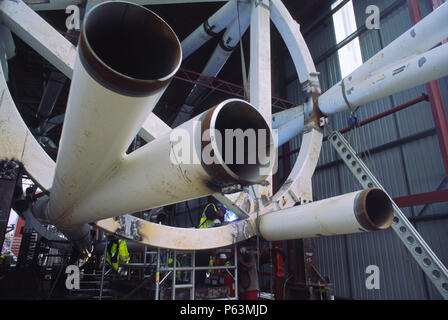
<point>404,168</point>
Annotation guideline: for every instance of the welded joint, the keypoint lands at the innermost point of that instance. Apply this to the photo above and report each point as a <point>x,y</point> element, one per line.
<point>243,230</point>
<point>232,189</point>
<point>129,227</point>
<point>245,202</point>
<point>311,91</point>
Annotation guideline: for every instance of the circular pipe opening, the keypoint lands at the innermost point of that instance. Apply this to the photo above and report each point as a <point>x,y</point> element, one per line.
<point>128,45</point>
<point>375,210</point>
<point>244,151</point>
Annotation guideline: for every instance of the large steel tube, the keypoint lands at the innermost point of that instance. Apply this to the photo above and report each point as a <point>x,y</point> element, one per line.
<point>288,123</point>
<point>217,61</point>
<point>187,163</point>
<point>228,42</point>
<point>396,77</point>
<point>210,28</point>
<point>223,51</point>
<point>126,58</point>
<point>421,37</point>
<point>360,211</point>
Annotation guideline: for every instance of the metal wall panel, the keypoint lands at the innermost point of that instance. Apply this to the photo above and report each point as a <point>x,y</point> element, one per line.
<point>404,168</point>
<point>435,234</point>
<point>399,277</point>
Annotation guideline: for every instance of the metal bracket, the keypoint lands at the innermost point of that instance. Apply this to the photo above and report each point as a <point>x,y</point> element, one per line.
<point>409,236</point>
<point>323,121</point>
<point>311,91</point>
<point>129,227</point>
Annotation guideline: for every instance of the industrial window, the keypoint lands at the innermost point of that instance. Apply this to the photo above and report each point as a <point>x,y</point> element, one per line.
<point>344,25</point>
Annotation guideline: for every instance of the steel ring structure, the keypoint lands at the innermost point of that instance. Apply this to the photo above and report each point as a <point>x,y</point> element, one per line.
<point>74,211</point>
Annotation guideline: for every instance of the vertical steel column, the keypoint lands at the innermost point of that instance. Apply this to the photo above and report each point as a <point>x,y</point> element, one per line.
<point>173,294</point>
<point>193,276</point>
<point>9,174</point>
<point>278,282</point>
<point>104,268</point>
<point>235,249</point>
<point>158,275</point>
<point>260,91</point>
<point>435,98</point>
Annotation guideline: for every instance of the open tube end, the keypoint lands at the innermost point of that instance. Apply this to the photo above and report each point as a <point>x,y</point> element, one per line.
<point>373,209</point>
<point>128,48</point>
<point>241,141</point>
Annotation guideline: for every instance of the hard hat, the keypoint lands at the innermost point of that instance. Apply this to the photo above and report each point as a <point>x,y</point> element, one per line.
<point>222,256</point>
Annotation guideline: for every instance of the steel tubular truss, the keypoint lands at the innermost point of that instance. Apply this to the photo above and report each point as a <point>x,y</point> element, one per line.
<point>250,203</point>
<point>408,235</point>
<point>225,87</point>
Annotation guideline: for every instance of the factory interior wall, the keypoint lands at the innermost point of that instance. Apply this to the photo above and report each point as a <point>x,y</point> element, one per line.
<point>404,168</point>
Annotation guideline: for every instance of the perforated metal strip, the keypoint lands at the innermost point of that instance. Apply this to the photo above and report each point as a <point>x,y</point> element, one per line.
<point>411,239</point>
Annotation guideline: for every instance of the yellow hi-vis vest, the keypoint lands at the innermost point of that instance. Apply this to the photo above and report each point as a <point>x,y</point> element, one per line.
<point>205,222</point>
<point>8,259</point>
<point>170,263</point>
<point>115,258</point>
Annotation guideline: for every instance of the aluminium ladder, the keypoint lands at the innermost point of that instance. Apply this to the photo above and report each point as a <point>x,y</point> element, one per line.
<point>192,269</point>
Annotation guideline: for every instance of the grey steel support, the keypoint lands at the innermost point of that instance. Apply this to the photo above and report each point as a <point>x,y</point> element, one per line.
<point>193,277</point>
<point>411,239</point>
<point>102,272</point>
<point>9,174</point>
<point>175,269</point>
<point>158,275</point>
<point>51,94</point>
<point>173,296</point>
<point>192,268</point>
<point>236,270</point>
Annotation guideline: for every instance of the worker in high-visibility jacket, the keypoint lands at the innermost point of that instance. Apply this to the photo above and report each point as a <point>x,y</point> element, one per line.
<point>7,261</point>
<point>212,215</point>
<point>117,254</point>
<point>170,264</point>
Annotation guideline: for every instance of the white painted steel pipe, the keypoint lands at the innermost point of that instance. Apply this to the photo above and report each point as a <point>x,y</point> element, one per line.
<point>160,173</point>
<point>125,60</point>
<point>367,84</point>
<point>359,211</point>
<point>421,37</point>
<point>38,34</point>
<point>210,28</point>
<point>217,60</point>
<point>288,123</point>
<point>399,76</point>
<point>229,41</point>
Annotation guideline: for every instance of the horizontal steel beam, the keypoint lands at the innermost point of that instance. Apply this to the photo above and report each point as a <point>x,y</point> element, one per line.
<point>423,97</point>
<point>422,198</point>
<point>378,116</point>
